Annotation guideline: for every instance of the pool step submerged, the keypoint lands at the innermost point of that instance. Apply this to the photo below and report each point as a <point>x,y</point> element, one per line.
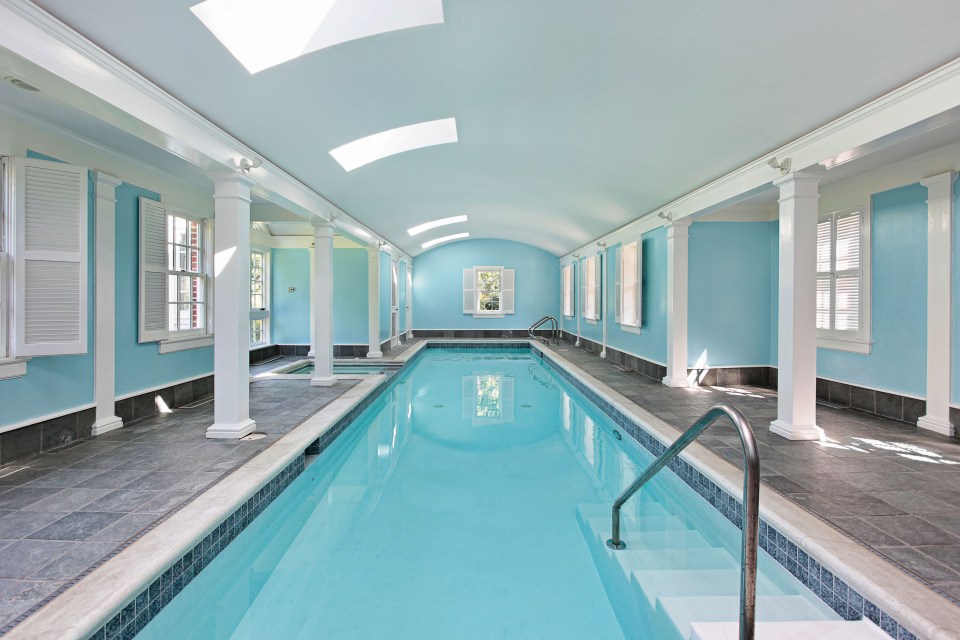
<point>670,576</point>
<point>824,630</point>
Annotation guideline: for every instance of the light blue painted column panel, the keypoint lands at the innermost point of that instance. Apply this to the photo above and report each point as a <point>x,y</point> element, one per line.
<point>350,296</point>
<point>385,284</point>
<point>290,310</point>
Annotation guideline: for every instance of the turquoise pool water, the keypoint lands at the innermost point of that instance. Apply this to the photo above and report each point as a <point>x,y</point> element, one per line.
<point>466,503</point>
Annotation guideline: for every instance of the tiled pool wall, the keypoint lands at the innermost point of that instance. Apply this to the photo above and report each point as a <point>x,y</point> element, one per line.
<point>837,594</point>
<point>842,598</point>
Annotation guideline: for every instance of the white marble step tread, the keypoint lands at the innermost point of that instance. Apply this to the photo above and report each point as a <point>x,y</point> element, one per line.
<point>823,630</point>
<point>697,582</point>
<point>683,610</point>
<point>671,535</point>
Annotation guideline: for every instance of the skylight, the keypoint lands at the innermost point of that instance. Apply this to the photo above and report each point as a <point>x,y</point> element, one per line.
<point>436,241</point>
<point>387,143</point>
<point>262,34</point>
<point>426,226</point>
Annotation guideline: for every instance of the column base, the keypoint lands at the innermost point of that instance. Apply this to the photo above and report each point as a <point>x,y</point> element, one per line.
<point>937,425</point>
<point>310,353</point>
<point>323,381</point>
<point>235,431</point>
<point>106,425</point>
<point>603,354</point>
<point>679,383</point>
<point>796,431</point>
<point>374,354</point>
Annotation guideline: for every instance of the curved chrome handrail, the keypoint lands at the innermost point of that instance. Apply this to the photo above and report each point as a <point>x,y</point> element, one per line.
<point>554,329</point>
<point>750,513</point>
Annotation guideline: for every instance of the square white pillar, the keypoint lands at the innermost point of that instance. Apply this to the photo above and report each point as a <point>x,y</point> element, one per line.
<point>106,305</point>
<point>678,268</point>
<point>231,348</point>
<point>939,255</point>
<point>373,302</point>
<point>797,333</point>
<point>322,299</point>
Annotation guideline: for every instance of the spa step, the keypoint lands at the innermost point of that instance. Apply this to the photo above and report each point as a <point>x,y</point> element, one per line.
<point>674,614</point>
<point>696,582</point>
<point>823,630</point>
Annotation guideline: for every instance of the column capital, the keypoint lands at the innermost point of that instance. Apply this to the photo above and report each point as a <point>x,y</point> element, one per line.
<point>231,185</point>
<point>799,184</point>
<point>939,186</point>
<point>106,180</point>
<point>322,228</point>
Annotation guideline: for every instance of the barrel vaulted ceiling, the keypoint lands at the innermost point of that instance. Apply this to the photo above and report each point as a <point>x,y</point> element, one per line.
<point>573,117</point>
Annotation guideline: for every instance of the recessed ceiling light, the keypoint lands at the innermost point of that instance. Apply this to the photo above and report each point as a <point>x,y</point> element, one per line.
<point>263,34</point>
<point>20,84</point>
<point>393,141</point>
<point>456,236</point>
<point>426,226</point>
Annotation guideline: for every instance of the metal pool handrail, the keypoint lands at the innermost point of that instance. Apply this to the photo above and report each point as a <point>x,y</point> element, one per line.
<point>554,329</point>
<point>751,503</point>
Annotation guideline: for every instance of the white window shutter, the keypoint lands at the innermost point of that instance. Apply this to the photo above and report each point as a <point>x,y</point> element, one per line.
<point>598,290</point>
<point>639,318</point>
<point>507,288</point>
<point>618,290</point>
<point>581,274</point>
<point>51,259</point>
<point>153,272</point>
<point>469,292</point>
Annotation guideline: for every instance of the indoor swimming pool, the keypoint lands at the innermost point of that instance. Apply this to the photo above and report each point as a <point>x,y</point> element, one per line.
<point>471,500</point>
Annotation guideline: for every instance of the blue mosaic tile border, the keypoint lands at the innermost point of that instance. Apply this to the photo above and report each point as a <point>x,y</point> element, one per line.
<point>520,345</point>
<point>837,594</point>
<point>148,603</point>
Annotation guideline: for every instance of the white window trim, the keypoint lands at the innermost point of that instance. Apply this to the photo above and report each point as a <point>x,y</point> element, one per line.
<point>175,336</point>
<point>479,313</point>
<point>629,327</point>
<point>184,343</point>
<point>592,290</point>
<point>501,312</point>
<point>264,312</point>
<point>859,341</point>
<point>568,291</point>
<point>7,365</point>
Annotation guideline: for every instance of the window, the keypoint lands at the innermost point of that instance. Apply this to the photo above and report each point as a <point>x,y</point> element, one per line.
<point>259,298</point>
<point>843,310</point>
<point>488,291</point>
<point>591,288</point>
<point>628,285</point>
<point>174,278</point>
<point>43,265</point>
<point>567,291</point>
<point>394,286</point>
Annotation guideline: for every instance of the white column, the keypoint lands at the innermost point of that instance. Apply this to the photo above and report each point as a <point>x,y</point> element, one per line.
<point>939,255</point>
<point>604,280</point>
<point>231,347</point>
<point>578,292</point>
<point>323,304</point>
<point>678,265</point>
<point>104,336</point>
<point>797,333</point>
<point>313,290</point>
<point>409,285</point>
<point>373,302</point>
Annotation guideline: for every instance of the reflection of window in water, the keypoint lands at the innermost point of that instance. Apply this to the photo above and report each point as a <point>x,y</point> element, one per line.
<point>488,397</point>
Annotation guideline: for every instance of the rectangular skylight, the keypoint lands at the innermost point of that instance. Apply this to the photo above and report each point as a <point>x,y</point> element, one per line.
<point>436,241</point>
<point>264,33</point>
<point>393,141</point>
<point>426,226</point>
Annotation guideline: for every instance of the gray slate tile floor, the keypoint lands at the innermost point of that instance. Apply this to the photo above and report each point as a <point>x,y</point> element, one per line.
<point>66,511</point>
<point>886,483</point>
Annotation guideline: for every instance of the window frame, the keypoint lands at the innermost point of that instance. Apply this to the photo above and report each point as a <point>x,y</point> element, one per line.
<point>260,314</point>
<point>860,340</point>
<point>477,311</point>
<point>176,335</point>
<point>592,287</point>
<point>6,257</point>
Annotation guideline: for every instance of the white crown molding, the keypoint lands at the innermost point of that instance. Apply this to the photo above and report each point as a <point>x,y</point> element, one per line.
<point>31,33</point>
<point>925,97</point>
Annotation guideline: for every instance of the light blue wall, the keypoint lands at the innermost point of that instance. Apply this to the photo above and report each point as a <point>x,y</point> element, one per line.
<point>899,246</point>
<point>290,310</point>
<point>350,296</point>
<point>774,289</point>
<point>141,366</point>
<point>55,383</point>
<point>438,284</point>
<point>385,284</point>
<point>729,295</point>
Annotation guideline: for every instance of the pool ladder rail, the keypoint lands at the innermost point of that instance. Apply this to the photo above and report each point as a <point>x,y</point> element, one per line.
<point>751,503</point>
<point>554,330</point>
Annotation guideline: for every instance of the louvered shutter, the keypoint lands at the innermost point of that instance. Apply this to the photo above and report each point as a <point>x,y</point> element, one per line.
<point>631,294</point>
<point>469,292</point>
<point>824,271</point>
<point>51,258</point>
<point>618,288</point>
<point>846,287</point>
<point>581,268</point>
<point>598,269</point>
<point>153,272</point>
<point>507,288</point>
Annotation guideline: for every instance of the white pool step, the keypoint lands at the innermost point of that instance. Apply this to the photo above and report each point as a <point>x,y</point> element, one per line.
<point>822,630</point>
<point>674,615</point>
<point>696,582</point>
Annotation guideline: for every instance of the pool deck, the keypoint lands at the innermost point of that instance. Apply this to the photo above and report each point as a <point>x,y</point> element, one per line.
<point>64,513</point>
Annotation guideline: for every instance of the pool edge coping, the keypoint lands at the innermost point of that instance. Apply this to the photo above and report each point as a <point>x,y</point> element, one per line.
<point>903,599</point>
